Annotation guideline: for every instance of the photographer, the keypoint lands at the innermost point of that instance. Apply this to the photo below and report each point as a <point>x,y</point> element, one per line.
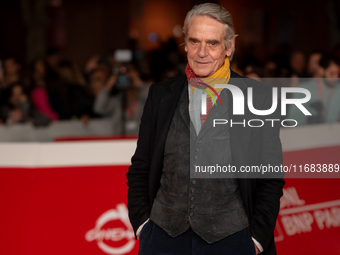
<point>123,90</point>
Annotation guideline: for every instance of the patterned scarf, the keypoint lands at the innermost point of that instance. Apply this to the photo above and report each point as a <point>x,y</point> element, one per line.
<point>221,76</point>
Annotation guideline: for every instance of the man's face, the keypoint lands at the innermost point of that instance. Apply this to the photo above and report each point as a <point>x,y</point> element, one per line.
<point>332,71</point>
<point>11,66</point>
<point>205,46</point>
<point>17,94</point>
<point>298,62</point>
<point>331,74</point>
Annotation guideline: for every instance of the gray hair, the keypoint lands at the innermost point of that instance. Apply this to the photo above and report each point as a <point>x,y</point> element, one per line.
<point>216,12</point>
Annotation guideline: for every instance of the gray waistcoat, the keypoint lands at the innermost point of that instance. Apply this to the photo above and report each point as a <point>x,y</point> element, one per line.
<point>212,207</point>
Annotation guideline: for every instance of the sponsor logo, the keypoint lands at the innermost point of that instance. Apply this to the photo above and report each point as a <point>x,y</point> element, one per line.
<point>298,218</point>
<point>121,239</point>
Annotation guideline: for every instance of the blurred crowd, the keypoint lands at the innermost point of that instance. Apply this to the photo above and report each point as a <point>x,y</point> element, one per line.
<point>53,88</point>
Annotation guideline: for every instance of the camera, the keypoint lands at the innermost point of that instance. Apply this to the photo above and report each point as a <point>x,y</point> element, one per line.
<point>123,82</point>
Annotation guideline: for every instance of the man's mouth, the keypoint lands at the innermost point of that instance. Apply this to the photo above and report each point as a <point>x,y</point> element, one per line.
<point>202,63</point>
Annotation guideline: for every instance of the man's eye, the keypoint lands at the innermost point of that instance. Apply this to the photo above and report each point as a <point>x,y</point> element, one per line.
<point>213,43</point>
<point>194,40</point>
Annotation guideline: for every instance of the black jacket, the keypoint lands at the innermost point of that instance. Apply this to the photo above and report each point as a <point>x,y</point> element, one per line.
<point>249,146</point>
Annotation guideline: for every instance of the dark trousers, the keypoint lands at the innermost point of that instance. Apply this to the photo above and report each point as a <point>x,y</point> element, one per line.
<point>153,240</point>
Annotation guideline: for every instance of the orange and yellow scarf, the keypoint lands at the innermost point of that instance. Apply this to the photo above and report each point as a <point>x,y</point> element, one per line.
<point>221,76</point>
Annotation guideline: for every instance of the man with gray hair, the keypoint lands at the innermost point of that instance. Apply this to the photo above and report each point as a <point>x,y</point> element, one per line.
<point>173,208</point>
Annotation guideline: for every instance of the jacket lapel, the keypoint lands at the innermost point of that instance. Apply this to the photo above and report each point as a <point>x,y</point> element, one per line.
<point>184,110</point>
<point>167,109</point>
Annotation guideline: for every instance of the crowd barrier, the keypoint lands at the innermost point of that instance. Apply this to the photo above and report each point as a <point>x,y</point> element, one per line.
<point>70,128</point>
<point>70,197</point>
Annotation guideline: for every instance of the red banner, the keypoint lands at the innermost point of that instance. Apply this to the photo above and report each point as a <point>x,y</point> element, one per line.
<point>65,211</point>
<point>82,210</point>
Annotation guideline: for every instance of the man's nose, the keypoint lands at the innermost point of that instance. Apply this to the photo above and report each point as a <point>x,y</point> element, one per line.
<point>202,51</point>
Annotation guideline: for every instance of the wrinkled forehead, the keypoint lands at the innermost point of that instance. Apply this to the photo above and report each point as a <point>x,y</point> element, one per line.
<point>205,24</point>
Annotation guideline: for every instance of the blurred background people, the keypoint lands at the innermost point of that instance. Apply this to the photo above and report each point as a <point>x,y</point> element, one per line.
<point>56,87</point>
<point>40,100</point>
<point>122,99</point>
<point>297,64</point>
<point>11,72</point>
<point>77,55</point>
<point>324,104</point>
<point>78,95</point>
<point>313,67</point>
<point>16,107</point>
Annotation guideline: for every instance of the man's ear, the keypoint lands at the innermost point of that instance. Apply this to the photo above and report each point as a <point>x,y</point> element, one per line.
<point>185,47</point>
<point>230,48</point>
